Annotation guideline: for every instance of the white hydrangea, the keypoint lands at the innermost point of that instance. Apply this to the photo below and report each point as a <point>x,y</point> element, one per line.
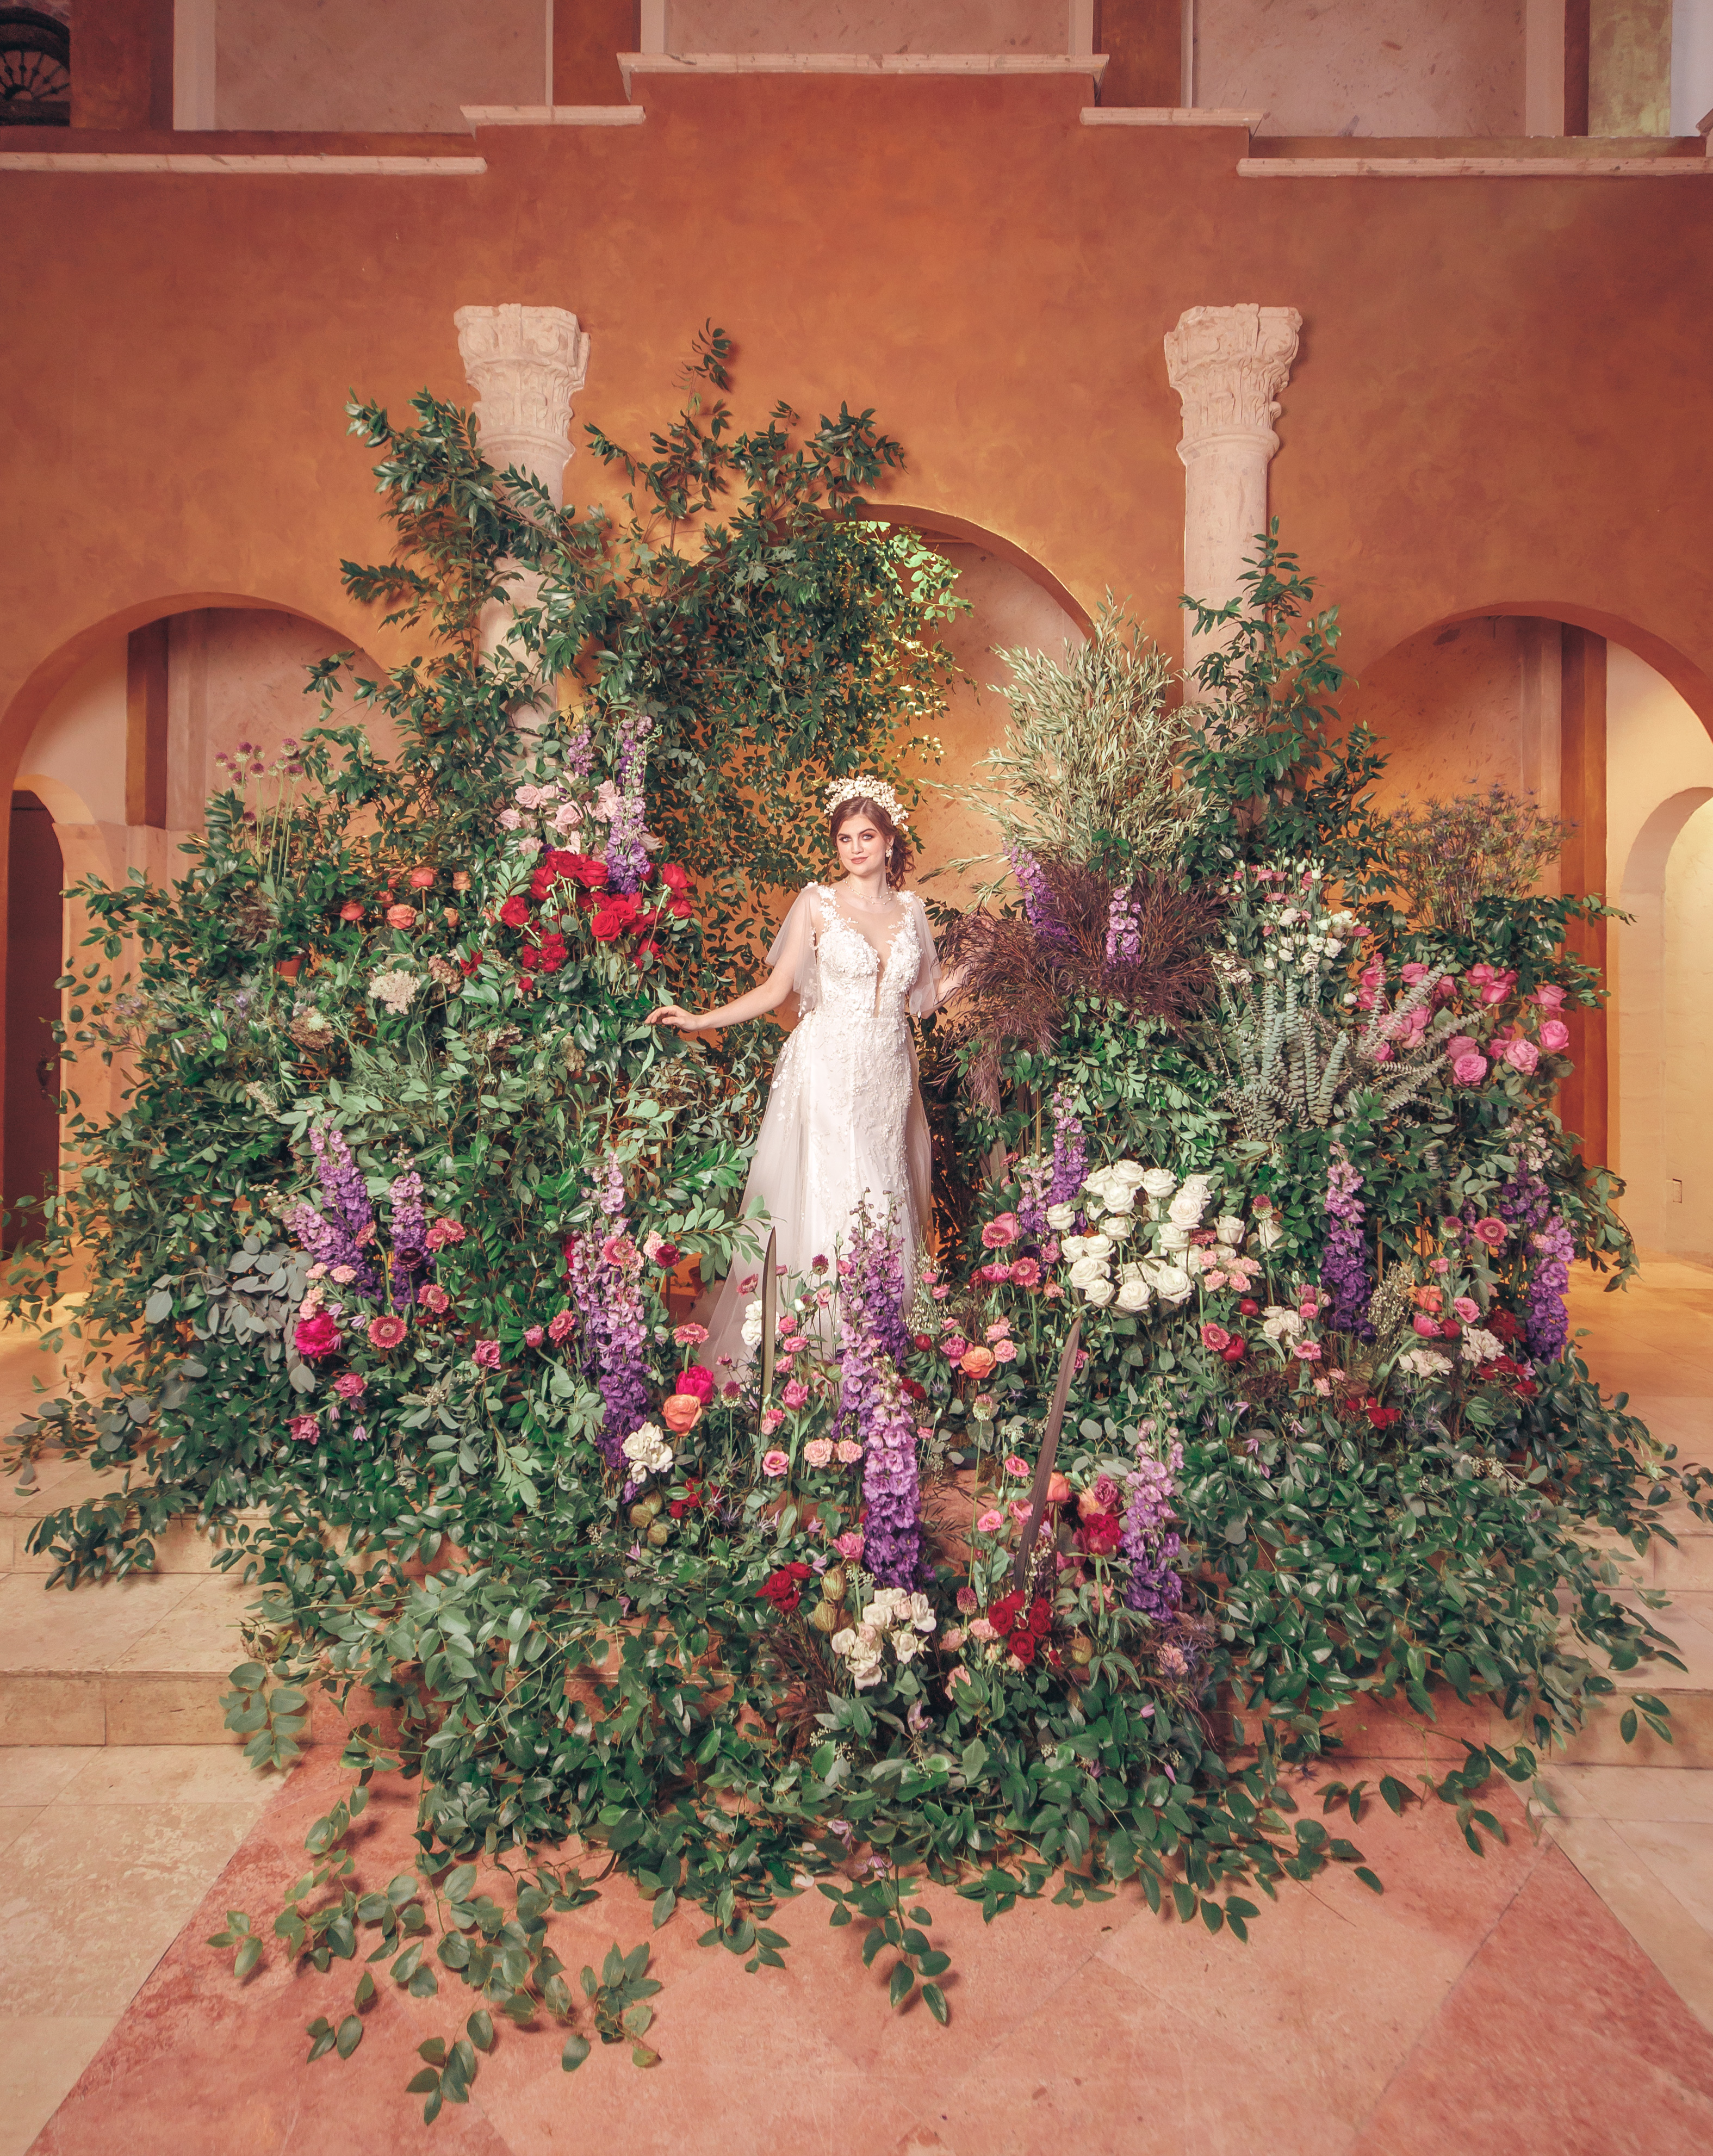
<point>647,1450</point>
<point>1480,1345</point>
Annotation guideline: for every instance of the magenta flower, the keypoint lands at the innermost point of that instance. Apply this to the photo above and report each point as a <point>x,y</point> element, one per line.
<point>534,1335</point>
<point>795,1395</point>
<point>1469,1070</point>
<point>1522,1055</point>
<point>487,1354</point>
<point>304,1428</point>
<point>775,1462</point>
<point>350,1387</point>
<point>1001,1232</point>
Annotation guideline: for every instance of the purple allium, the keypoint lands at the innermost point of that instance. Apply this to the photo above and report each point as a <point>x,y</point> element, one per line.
<point>1071,1158</point>
<point>1147,1539</point>
<point>1344,1268</point>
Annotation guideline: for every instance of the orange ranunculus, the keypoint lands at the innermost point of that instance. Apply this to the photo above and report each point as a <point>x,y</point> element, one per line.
<point>680,1413</point>
<point>976,1362</point>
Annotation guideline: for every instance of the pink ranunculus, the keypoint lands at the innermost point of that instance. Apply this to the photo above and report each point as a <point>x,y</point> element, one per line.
<point>1466,1307</point>
<point>795,1395</point>
<point>849,1546</point>
<point>534,1335</point>
<point>316,1335</point>
<point>818,1451</point>
<point>1554,1036</point>
<point>954,1346</point>
<point>1469,1070</point>
<point>350,1387</point>
<point>442,1232</point>
<point>775,1463</point>
<point>1549,996</point>
<point>1000,1233</point>
<point>487,1354</point>
<point>990,1522</point>
<point>1522,1055</point>
<point>560,1324</point>
<point>847,1451</point>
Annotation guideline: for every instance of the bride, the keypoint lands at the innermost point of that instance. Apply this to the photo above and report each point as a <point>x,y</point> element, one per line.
<point>844,1121</point>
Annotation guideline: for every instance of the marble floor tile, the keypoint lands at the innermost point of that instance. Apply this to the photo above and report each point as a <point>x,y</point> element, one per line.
<point>41,2055</point>
<point>1680,1854</point>
<point>197,1634</point>
<point>171,1775</point>
<point>50,1630</point>
<point>1677,1945</point>
<point>36,1773</point>
<point>1618,1793</point>
<point>13,1819</point>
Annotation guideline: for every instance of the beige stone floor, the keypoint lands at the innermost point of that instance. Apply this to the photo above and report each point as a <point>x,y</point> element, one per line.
<point>108,1847</point>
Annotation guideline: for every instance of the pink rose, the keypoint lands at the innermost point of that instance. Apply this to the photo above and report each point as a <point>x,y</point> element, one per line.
<point>1469,1070</point>
<point>954,1346</point>
<point>771,1417</point>
<point>849,1546</point>
<point>305,1429</point>
<point>1461,1044</point>
<point>1428,1328</point>
<point>1549,996</point>
<point>1019,1509</point>
<point>350,1387</point>
<point>818,1451</point>
<point>847,1451</point>
<point>487,1354</point>
<point>1554,1036</point>
<point>1466,1307</point>
<point>695,1378</point>
<point>316,1335</point>
<point>1410,973</point>
<point>1000,1233</point>
<point>999,1330</point>
<point>1522,1055</point>
<point>775,1462</point>
<point>797,1395</point>
<point>990,1523</point>
<point>534,1335</point>
<point>1005,1351</point>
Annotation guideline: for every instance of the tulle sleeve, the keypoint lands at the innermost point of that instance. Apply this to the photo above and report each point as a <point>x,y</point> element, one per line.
<point>925,990</point>
<point>794,948</point>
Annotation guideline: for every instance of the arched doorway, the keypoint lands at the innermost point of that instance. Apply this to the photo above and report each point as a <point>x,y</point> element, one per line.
<point>35,877</point>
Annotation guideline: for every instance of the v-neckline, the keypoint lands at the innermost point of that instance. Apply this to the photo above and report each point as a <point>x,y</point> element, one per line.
<point>884,956</point>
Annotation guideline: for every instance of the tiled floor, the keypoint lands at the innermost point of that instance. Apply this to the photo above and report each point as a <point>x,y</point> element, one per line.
<point>1499,2005</point>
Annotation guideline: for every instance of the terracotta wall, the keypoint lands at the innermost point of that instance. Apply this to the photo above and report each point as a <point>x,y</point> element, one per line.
<point>1364,67</point>
<point>866,26</point>
<point>405,65</point>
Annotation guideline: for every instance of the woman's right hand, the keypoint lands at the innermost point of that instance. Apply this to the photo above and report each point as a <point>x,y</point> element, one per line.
<point>671,1014</point>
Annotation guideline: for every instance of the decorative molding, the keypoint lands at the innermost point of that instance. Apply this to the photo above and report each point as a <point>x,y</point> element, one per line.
<point>1472,168</point>
<point>236,163</point>
<point>553,115</point>
<point>1093,65</point>
<point>1229,365</point>
<point>1168,116</point>
<point>525,365</point>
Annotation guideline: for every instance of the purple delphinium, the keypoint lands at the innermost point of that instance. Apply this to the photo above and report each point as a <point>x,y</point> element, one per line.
<point>410,1256</point>
<point>580,753</point>
<point>1071,1158</point>
<point>1039,909</point>
<point>1545,1320</point>
<point>1033,1179</point>
<point>872,1406</point>
<point>606,1286</point>
<point>1147,1538</point>
<point>626,857</point>
<point>335,1237</point>
<point>1344,1267</point>
<point>1124,935</point>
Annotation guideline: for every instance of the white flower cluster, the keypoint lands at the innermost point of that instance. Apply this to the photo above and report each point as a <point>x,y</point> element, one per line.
<point>1424,1363</point>
<point>1299,933</point>
<point>648,1451</point>
<point>396,988</point>
<point>1480,1345</point>
<point>905,1619</point>
<point>1164,1271</point>
<point>751,1329</point>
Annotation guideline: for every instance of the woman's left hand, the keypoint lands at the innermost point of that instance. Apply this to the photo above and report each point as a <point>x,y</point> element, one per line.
<point>671,1014</point>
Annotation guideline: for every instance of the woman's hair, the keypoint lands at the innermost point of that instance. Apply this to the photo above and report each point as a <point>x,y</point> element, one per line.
<point>898,849</point>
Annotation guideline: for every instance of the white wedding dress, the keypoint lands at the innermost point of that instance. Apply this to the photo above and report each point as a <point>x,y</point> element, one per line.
<point>844,1121</point>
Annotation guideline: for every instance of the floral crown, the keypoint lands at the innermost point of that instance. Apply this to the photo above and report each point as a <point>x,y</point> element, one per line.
<point>864,788</point>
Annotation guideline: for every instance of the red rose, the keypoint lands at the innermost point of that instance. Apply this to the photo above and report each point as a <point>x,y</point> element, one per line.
<point>589,869</point>
<point>515,911</point>
<point>1041,1617</point>
<point>1023,1646</point>
<point>468,965</point>
<point>680,909</point>
<point>1249,1306</point>
<point>1234,1349</point>
<point>696,1380</point>
<point>922,1340</point>
<point>675,878</point>
<point>607,926</point>
<point>1004,1612</point>
<point>783,1588</point>
<point>550,956</point>
<point>912,1390</point>
<point>1098,1535</point>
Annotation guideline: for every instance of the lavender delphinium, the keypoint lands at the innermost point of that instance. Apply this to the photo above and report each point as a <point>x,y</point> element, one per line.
<point>1033,1178</point>
<point>1344,1266</point>
<point>626,857</point>
<point>1039,909</point>
<point>410,1256</point>
<point>1147,1539</point>
<point>336,1238</point>
<point>604,1269</point>
<point>872,1405</point>
<point>1071,1158</point>
<point>1124,933</point>
<point>1546,1319</point>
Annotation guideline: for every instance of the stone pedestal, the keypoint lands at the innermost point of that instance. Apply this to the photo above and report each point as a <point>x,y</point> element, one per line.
<point>525,365</point>
<point>1228,365</point>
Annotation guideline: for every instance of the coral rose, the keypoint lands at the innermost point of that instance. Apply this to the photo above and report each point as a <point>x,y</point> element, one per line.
<point>400,917</point>
<point>419,879</point>
<point>350,910</point>
<point>975,1362</point>
<point>681,1412</point>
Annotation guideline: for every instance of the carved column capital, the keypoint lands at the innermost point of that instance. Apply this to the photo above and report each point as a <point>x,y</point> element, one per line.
<point>525,365</point>
<point>1229,365</point>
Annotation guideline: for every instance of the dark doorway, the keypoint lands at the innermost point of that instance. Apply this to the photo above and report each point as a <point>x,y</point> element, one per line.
<point>34,961</point>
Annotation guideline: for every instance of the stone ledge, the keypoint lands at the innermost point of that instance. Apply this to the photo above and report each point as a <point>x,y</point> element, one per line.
<point>242,164</point>
<point>902,64</point>
<point>1467,168</point>
<point>1168,116</point>
<point>554,116</point>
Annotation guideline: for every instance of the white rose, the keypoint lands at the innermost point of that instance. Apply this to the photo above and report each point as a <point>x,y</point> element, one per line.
<point>1134,1292</point>
<point>1173,1286</point>
<point>1426,1362</point>
<point>1127,1172</point>
<point>907,1645</point>
<point>1174,1237</point>
<point>1268,1232</point>
<point>1061,1217</point>
<point>1187,1209</point>
<point>922,1613</point>
<point>1088,1272</point>
<point>1120,1226</point>
<point>844,1642</point>
<point>749,1332</point>
<point>1099,1292</point>
<point>1279,1323</point>
<point>1074,1246</point>
<point>1097,1246</point>
<point>1230,1231</point>
<point>1159,1182</point>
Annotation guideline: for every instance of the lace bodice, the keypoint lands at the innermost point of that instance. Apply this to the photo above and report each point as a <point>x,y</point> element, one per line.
<point>859,984</point>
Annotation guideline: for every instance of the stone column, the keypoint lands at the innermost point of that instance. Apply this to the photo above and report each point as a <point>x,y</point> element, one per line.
<point>525,365</point>
<point>1228,365</point>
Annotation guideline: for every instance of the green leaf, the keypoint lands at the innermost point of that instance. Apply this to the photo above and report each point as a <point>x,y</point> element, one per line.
<point>904,1981</point>
<point>577,2049</point>
<point>935,2000</point>
<point>665,1901</point>
<point>351,2034</point>
<point>481,2026</point>
<point>249,1954</point>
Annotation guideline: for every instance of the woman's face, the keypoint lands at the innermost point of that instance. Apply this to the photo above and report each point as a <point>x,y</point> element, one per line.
<point>862,849</point>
